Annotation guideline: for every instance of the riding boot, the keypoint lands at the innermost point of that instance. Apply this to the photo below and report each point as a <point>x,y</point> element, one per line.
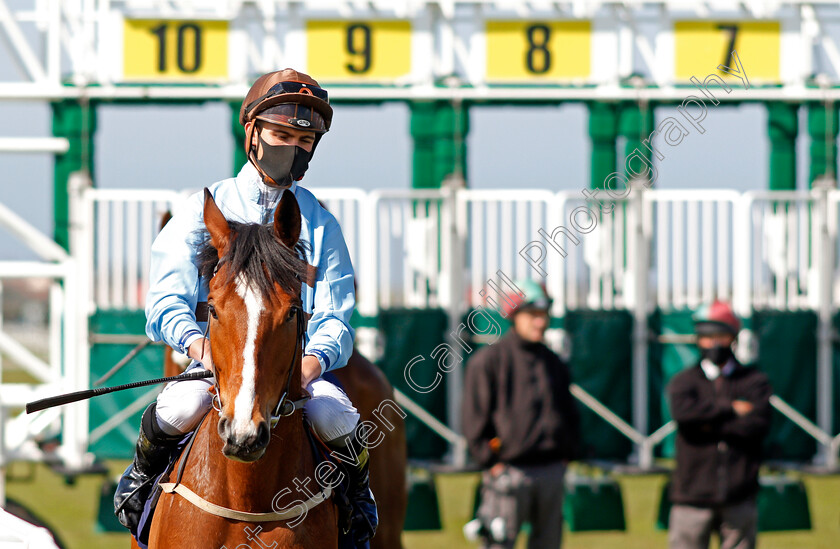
<point>360,519</point>
<point>151,456</point>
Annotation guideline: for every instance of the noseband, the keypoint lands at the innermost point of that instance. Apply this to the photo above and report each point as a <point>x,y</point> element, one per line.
<point>284,407</point>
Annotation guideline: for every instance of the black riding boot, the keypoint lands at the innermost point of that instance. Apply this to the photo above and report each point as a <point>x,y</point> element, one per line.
<point>151,456</point>
<point>361,518</point>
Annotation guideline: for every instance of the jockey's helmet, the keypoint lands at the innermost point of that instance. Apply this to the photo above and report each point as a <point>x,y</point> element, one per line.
<point>715,319</point>
<point>287,98</point>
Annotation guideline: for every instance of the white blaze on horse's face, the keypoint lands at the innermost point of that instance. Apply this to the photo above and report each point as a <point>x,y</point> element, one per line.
<point>243,427</point>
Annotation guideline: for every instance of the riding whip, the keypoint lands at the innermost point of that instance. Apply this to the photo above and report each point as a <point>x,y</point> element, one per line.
<point>90,393</point>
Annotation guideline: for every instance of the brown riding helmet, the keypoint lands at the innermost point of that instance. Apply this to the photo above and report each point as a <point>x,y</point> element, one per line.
<point>289,98</point>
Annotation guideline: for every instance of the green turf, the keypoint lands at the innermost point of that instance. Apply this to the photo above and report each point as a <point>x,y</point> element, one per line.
<point>70,510</point>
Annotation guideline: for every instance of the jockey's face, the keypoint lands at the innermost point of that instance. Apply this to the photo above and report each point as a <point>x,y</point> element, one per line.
<point>275,134</point>
<point>722,339</point>
<point>531,324</point>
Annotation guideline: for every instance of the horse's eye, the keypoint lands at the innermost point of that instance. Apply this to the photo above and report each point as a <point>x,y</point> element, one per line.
<point>292,312</point>
<point>212,309</point>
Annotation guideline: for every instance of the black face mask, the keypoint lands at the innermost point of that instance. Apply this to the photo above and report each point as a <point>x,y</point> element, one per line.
<point>284,164</point>
<point>719,354</point>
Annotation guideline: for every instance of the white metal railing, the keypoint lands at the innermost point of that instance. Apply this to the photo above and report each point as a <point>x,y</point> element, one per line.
<point>66,366</point>
<point>754,248</point>
<point>125,222</point>
<point>692,246</point>
<point>449,247</point>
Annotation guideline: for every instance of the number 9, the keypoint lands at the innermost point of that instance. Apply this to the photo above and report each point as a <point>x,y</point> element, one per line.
<point>364,51</point>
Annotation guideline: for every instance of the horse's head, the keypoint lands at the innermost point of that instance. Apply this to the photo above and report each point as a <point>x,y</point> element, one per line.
<point>256,320</point>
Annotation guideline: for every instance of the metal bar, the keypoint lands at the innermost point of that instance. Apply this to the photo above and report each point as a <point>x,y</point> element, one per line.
<point>115,420</point>
<point>51,91</point>
<point>131,256</point>
<point>427,419</point>
<point>800,420</point>
<point>55,145</point>
<point>123,361</point>
<point>605,413</point>
<point>31,236</point>
<point>707,262</point>
<point>32,269</point>
<point>693,229</point>
<point>25,358</point>
<point>116,264</point>
<point>663,234</point>
<point>27,58</point>
<point>678,296</point>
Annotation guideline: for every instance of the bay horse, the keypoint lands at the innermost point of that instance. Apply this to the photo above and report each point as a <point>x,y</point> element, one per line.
<point>239,461</point>
<point>368,388</point>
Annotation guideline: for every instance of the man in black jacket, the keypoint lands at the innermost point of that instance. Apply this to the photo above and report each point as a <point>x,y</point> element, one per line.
<point>522,427</point>
<point>723,413</point>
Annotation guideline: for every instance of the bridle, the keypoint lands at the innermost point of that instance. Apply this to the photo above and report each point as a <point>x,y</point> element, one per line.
<point>284,407</point>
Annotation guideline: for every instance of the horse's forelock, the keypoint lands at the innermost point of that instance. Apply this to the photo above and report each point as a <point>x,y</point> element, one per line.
<point>258,257</point>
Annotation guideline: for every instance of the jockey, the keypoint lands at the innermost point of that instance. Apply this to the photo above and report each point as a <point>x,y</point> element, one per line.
<point>284,114</point>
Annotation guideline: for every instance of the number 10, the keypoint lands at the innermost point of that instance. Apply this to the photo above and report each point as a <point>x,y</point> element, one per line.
<point>183,29</point>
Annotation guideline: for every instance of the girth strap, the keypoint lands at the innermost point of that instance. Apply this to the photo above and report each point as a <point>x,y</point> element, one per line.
<point>232,514</point>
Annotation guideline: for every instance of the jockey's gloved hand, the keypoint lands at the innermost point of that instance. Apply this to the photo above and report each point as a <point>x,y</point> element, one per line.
<point>310,370</point>
<point>200,352</point>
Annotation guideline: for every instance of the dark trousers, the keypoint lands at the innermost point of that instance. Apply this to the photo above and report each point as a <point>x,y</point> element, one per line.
<point>692,527</point>
<point>532,494</point>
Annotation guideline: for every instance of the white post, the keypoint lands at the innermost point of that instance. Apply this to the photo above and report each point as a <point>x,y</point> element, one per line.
<point>76,304</point>
<point>640,267</point>
<point>826,234</point>
<point>454,255</point>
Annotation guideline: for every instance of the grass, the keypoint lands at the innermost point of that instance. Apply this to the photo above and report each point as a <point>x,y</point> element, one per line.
<point>71,511</point>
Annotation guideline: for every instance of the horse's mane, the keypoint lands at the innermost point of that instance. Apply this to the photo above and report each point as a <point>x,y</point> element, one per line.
<point>259,256</point>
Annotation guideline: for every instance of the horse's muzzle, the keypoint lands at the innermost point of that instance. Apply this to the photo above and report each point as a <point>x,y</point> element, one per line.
<point>248,447</point>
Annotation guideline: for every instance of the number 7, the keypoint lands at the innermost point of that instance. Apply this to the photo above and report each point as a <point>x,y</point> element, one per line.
<point>733,35</point>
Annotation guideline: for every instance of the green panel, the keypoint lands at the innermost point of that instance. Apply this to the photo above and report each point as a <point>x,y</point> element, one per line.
<point>787,353</point>
<point>668,359</point>
<point>603,123</point>
<point>663,511</point>
<point>423,511</point>
<point>601,363</point>
<point>635,125</point>
<point>782,127</point>
<point>439,131</point>
<point>106,520</point>
<point>783,505</point>
<point>822,131</point>
<point>77,124</point>
<point>409,333</point>
<point>593,503</point>
<point>119,442</point>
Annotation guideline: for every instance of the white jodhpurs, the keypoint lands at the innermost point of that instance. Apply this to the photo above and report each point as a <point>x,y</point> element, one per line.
<point>182,404</point>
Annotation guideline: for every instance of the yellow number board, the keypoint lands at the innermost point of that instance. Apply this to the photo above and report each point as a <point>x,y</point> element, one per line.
<point>358,50</point>
<point>155,49</point>
<point>527,50</point>
<point>700,46</point>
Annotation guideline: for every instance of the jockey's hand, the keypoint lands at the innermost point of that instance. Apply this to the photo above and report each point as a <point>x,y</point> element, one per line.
<point>200,352</point>
<point>310,370</point>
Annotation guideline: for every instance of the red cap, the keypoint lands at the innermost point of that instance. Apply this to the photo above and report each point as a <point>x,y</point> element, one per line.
<point>716,318</point>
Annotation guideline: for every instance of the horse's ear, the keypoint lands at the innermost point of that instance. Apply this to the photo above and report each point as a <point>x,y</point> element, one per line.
<point>216,223</point>
<point>287,220</point>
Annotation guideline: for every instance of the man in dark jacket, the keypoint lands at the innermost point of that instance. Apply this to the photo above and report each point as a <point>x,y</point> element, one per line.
<point>522,427</point>
<point>723,413</point>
